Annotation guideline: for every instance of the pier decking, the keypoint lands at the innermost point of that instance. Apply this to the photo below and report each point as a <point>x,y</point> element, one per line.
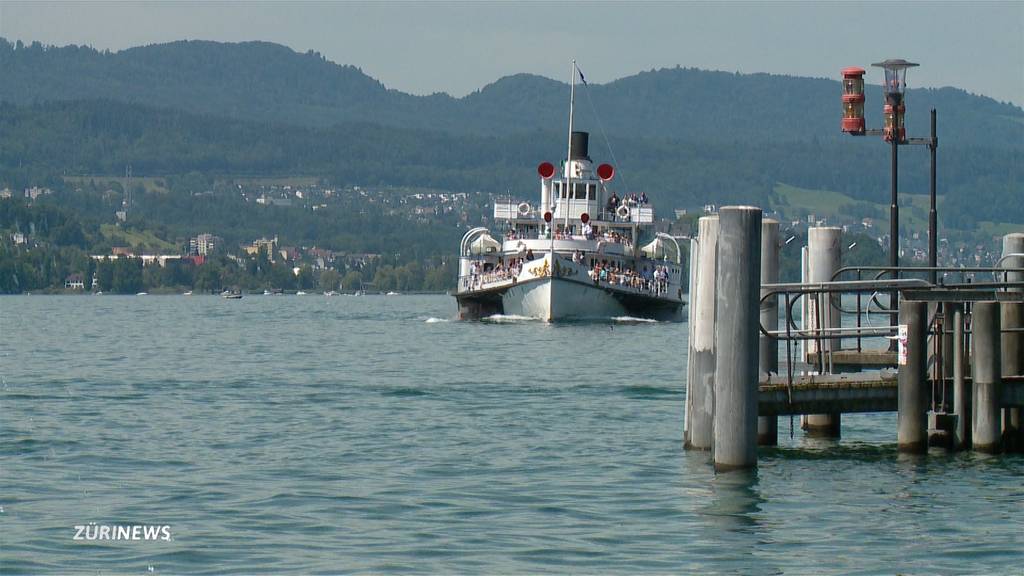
<point>953,368</point>
<point>850,393</point>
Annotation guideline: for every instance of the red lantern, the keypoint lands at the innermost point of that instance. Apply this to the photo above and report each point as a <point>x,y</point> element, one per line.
<point>605,172</point>
<point>546,170</point>
<point>853,100</point>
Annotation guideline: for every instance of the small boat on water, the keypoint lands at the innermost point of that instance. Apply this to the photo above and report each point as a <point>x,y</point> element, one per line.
<point>232,294</point>
<point>142,294</point>
<point>580,253</point>
<point>300,293</point>
<point>188,293</point>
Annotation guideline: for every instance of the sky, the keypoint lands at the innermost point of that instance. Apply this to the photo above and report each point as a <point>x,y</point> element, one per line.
<point>459,47</point>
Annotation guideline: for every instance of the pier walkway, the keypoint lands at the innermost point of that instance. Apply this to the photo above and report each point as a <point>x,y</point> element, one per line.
<point>941,346</point>
<point>849,393</point>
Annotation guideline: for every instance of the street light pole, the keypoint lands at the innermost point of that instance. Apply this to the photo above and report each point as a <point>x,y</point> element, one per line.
<point>894,211</point>
<point>895,133</point>
<point>933,223</point>
<point>894,234</point>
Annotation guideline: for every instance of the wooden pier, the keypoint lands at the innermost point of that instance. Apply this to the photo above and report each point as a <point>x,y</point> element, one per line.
<point>850,393</point>
<point>955,375</point>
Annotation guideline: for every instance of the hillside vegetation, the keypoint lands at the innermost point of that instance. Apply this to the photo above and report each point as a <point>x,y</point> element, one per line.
<point>44,142</point>
<point>205,126</point>
<point>266,82</point>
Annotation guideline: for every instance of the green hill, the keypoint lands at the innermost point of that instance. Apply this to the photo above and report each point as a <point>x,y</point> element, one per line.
<point>45,142</point>
<point>265,82</point>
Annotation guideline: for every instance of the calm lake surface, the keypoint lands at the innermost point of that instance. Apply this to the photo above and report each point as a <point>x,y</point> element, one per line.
<point>372,434</point>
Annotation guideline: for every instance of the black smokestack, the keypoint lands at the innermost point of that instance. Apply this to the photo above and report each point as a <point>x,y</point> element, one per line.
<point>579,144</point>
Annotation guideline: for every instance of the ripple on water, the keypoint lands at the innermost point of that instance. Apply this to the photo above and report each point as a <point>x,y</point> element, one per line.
<point>300,435</point>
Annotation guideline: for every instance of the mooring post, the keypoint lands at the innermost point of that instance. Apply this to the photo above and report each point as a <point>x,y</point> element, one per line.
<point>1012,318</point>
<point>700,372</point>
<point>737,291</point>
<point>961,394</point>
<point>824,258</point>
<point>768,348</point>
<point>986,376</point>
<point>1012,364</point>
<point>912,404</point>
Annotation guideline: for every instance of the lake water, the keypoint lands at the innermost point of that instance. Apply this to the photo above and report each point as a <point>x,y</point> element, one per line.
<point>372,434</point>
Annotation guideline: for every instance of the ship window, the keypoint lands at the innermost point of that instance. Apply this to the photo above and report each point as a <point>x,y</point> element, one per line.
<point>579,191</point>
<point>591,191</point>
<point>558,189</point>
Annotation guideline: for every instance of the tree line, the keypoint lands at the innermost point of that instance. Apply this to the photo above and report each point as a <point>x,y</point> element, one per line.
<point>42,142</point>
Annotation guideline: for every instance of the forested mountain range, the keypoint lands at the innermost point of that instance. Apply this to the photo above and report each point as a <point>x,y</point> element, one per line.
<point>41,143</point>
<point>195,113</point>
<point>266,82</point>
<point>685,136</point>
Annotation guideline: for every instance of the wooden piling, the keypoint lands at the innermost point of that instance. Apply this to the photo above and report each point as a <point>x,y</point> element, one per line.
<point>737,290</point>
<point>698,433</point>
<point>986,375</point>
<point>912,406</point>
<point>824,258</point>
<point>961,393</point>
<point>1012,341</point>
<point>768,348</point>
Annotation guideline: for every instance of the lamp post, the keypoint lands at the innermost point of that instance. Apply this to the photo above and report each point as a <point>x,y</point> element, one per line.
<point>894,132</point>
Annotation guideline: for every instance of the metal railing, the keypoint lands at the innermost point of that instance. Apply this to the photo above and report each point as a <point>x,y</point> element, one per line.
<point>967,279</point>
<point>824,295</point>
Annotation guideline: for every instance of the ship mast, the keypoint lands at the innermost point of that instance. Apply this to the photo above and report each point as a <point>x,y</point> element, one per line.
<point>568,168</point>
<point>568,157</point>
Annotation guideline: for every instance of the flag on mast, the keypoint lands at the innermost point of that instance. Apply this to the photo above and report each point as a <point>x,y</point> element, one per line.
<point>582,79</point>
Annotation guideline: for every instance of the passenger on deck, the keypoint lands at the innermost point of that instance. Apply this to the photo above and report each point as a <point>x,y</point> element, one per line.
<point>613,202</point>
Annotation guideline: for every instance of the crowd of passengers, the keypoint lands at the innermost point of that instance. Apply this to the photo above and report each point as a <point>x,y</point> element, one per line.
<point>587,232</point>
<point>654,281</point>
<point>628,200</point>
<point>650,280</point>
<point>481,273</point>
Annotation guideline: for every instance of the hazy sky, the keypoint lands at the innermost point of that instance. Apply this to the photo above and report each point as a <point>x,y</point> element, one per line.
<point>424,47</point>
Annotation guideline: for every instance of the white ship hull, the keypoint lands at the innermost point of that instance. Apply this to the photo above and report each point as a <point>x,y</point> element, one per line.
<point>555,299</point>
<point>567,295</point>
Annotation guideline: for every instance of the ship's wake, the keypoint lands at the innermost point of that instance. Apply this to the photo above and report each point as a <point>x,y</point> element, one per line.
<point>508,319</point>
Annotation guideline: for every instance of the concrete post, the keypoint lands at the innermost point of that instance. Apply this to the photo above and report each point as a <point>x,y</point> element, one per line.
<point>947,342</point>
<point>912,403</point>
<point>737,290</point>
<point>1014,244</point>
<point>1012,364</point>
<point>961,394</point>
<point>700,371</point>
<point>824,258</point>
<point>768,348</point>
<point>1012,314</point>
<point>986,375</point>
